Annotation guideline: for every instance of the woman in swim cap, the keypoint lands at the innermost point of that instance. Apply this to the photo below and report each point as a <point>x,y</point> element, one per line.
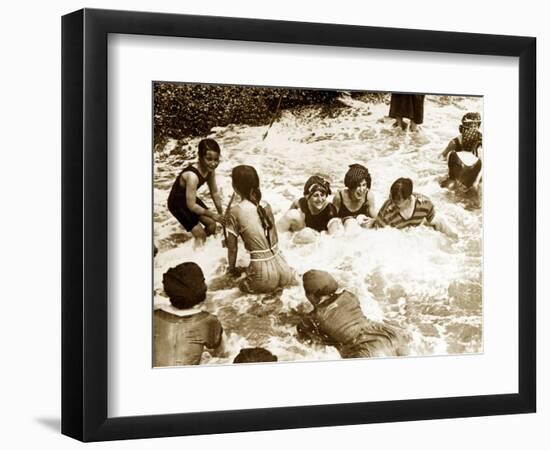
<point>338,320</point>
<point>463,155</point>
<point>355,203</point>
<point>313,210</point>
<point>470,138</point>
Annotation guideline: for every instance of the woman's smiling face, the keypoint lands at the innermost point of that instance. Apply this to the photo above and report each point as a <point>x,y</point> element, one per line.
<point>317,200</point>
<point>359,192</point>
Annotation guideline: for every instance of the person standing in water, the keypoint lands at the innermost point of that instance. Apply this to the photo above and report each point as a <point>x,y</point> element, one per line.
<point>406,208</point>
<point>410,106</point>
<point>313,210</point>
<point>252,220</point>
<point>183,202</point>
<point>355,203</point>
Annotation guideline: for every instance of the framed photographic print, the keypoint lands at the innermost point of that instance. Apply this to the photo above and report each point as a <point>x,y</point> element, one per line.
<point>276,225</point>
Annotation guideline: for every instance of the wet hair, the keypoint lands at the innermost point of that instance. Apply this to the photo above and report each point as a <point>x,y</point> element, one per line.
<point>247,183</point>
<point>206,145</point>
<point>355,175</point>
<point>401,189</point>
<point>256,354</point>
<point>184,285</point>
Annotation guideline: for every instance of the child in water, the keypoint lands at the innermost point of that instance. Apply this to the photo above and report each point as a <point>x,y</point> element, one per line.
<point>406,208</point>
<point>252,220</point>
<point>462,153</point>
<point>183,202</point>
<point>337,320</point>
<point>181,329</point>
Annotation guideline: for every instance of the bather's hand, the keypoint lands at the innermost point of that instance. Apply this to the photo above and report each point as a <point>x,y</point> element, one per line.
<point>235,271</point>
<point>218,218</point>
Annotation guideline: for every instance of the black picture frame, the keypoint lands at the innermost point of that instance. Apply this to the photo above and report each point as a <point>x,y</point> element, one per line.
<point>84,224</point>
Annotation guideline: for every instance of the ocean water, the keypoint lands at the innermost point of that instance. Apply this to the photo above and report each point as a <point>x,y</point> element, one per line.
<point>418,279</point>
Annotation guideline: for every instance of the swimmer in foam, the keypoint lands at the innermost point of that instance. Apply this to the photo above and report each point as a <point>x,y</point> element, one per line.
<point>252,220</point>
<point>406,208</point>
<point>355,203</point>
<point>183,202</point>
<point>463,154</point>
<point>313,210</point>
<point>182,330</point>
<point>338,320</point>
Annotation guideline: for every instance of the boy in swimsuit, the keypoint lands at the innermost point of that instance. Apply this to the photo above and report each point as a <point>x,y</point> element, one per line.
<point>406,208</point>
<point>337,320</point>
<point>181,329</point>
<point>183,202</point>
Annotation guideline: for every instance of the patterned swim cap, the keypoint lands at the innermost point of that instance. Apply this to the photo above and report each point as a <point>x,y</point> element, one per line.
<point>470,120</point>
<point>316,183</point>
<point>355,174</point>
<point>471,139</point>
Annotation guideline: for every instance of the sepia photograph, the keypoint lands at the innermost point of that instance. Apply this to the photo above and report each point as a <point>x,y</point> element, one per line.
<point>301,224</point>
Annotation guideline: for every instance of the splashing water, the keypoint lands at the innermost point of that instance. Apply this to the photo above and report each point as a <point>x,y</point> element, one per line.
<point>417,279</point>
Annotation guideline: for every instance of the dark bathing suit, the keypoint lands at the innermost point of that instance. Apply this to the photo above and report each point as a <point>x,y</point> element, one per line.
<point>177,201</point>
<point>459,171</point>
<point>318,222</point>
<point>345,213</point>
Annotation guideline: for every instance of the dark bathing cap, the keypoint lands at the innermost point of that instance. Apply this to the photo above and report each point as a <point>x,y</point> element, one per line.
<point>316,183</point>
<point>255,354</point>
<point>319,283</point>
<point>185,284</point>
<point>471,118</point>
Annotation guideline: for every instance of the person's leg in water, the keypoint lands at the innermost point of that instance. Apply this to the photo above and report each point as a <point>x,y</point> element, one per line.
<point>413,126</point>
<point>399,122</point>
<point>199,234</point>
<point>202,230</point>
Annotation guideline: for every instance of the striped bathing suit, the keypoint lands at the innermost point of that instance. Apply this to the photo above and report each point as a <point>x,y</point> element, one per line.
<point>389,214</point>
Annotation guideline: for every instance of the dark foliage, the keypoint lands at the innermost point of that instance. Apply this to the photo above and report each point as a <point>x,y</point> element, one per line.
<point>189,110</point>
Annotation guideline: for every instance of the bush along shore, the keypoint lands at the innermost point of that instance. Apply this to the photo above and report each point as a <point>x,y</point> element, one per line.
<point>183,111</point>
